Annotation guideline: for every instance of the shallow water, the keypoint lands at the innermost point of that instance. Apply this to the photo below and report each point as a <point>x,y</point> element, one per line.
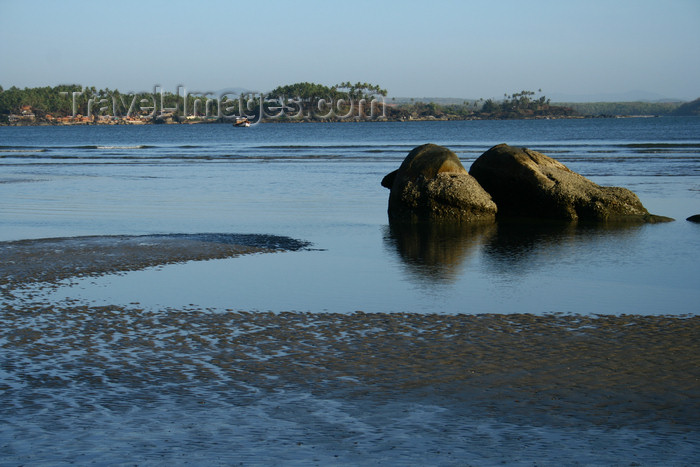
<point>182,363</point>
<point>320,183</point>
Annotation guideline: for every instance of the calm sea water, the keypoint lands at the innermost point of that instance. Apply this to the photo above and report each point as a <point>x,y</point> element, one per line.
<point>321,183</point>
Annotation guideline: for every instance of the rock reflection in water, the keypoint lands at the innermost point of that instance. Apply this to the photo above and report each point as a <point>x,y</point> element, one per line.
<point>436,250</point>
<point>521,245</point>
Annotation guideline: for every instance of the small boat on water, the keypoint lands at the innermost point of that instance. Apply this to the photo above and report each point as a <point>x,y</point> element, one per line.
<point>242,121</point>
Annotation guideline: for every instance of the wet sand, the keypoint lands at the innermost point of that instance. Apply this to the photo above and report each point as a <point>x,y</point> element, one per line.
<point>53,259</point>
<point>346,381</point>
<point>118,384</point>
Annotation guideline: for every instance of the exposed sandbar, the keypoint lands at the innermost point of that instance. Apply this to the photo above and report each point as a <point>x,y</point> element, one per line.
<point>52,259</point>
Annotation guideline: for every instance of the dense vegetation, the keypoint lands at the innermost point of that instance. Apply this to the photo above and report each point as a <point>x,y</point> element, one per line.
<point>622,108</point>
<point>42,100</point>
<point>318,102</point>
<point>523,104</point>
<point>307,100</point>
<point>689,109</point>
<point>311,91</point>
<point>59,101</point>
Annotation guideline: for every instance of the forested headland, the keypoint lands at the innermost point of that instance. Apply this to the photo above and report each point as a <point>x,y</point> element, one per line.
<point>71,104</point>
<point>688,109</point>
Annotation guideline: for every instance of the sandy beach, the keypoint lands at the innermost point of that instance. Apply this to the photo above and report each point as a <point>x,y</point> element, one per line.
<point>118,384</point>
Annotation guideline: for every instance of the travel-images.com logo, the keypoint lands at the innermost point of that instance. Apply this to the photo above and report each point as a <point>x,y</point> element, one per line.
<point>230,105</point>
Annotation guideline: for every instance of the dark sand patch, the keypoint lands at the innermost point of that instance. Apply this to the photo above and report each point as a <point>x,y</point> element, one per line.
<point>53,259</point>
<point>106,384</point>
<point>556,369</point>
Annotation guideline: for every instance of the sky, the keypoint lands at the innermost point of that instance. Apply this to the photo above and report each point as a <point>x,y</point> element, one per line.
<point>428,48</point>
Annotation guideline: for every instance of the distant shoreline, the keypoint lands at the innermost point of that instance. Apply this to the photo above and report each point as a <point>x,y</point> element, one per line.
<point>79,105</point>
<point>121,122</point>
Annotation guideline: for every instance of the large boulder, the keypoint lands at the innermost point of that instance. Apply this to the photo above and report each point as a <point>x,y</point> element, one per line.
<point>432,183</point>
<point>526,183</point>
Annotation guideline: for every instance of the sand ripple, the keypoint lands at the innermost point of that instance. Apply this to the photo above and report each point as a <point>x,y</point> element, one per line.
<point>336,382</point>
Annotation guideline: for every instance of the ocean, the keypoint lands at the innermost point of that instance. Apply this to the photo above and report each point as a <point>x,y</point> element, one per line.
<point>517,344</point>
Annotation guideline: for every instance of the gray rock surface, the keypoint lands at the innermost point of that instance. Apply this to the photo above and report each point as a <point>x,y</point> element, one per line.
<point>526,183</point>
<point>432,183</point>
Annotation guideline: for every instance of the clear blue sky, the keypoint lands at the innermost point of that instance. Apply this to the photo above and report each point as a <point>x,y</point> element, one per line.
<point>427,48</point>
